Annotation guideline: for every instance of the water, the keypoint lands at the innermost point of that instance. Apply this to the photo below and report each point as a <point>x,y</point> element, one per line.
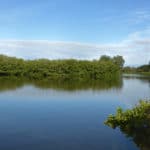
<point>66,115</point>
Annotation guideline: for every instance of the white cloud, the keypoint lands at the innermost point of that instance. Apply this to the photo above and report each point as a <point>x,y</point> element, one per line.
<point>135,49</point>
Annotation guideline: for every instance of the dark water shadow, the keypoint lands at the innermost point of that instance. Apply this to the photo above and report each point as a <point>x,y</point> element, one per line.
<point>139,134</point>
<point>12,83</point>
<point>135,124</point>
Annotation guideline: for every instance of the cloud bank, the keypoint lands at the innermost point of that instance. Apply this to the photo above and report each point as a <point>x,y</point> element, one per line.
<point>135,49</point>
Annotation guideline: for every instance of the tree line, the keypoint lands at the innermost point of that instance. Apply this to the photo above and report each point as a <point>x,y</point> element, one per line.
<point>143,69</point>
<point>105,67</point>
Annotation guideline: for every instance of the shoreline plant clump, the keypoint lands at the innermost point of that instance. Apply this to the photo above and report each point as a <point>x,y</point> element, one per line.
<point>134,123</point>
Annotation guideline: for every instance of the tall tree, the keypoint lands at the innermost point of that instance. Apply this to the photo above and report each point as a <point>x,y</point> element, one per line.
<point>118,60</point>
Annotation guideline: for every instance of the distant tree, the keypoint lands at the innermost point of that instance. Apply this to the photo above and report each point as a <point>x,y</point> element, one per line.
<point>105,58</point>
<point>144,68</point>
<point>119,61</point>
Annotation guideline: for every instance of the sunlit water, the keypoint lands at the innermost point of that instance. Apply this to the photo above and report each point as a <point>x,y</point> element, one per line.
<point>37,117</point>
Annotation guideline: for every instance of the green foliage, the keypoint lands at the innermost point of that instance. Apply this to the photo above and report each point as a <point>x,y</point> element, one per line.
<point>118,60</point>
<point>105,58</point>
<point>144,69</point>
<point>128,69</point>
<point>11,66</point>
<point>134,123</point>
<point>70,68</point>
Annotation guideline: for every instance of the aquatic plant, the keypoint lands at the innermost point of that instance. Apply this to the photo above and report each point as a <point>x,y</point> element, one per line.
<point>135,123</point>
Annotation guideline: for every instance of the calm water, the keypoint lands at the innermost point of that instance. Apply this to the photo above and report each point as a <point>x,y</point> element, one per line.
<point>66,115</point>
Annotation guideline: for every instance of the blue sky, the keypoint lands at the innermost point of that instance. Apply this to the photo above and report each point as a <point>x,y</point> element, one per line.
<point>82,29</point>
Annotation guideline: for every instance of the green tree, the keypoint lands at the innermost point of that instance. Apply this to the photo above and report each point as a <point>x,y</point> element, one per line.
<point>105,58</point>
<point>118,60</point>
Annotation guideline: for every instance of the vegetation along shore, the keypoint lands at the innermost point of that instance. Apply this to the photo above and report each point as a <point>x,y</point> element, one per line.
<point>134,123</point>
<point>105,67</point>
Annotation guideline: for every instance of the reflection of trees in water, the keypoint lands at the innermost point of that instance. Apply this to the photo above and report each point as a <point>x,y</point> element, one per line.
<point>134,124</point>
<point>139,134</point>
<point>10,83</point>
<point>61,84</point>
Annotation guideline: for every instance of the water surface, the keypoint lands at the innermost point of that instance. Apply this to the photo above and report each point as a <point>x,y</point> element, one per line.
<point>66,115</point>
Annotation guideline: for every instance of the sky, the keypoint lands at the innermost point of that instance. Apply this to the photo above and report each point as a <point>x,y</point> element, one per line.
<point>80,29</point>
